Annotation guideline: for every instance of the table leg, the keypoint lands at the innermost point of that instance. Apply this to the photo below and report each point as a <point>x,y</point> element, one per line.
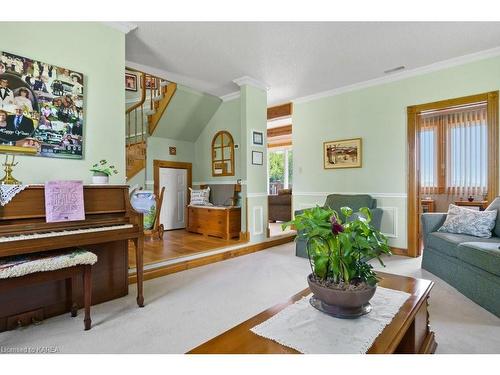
<point>139,250</point>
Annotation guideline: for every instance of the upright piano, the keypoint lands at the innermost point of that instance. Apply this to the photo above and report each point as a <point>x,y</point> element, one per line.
<point>109,224</point>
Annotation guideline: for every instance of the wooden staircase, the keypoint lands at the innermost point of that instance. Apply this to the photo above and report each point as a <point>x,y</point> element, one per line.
<point>143,117</point>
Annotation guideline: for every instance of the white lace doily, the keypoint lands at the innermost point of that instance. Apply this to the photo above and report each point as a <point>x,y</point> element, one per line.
<point>307,330</point>
<point>7,192</point>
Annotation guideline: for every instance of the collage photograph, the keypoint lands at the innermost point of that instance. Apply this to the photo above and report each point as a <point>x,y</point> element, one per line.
<point>41,107</point>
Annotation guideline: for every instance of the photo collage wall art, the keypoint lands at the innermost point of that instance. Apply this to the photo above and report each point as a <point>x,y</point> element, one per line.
<point>41,107</point>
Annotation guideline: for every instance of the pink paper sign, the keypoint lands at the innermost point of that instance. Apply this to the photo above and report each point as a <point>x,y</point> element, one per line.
<point>64,201</point>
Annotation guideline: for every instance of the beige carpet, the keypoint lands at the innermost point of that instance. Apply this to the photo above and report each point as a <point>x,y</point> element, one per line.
<point>185,309</point>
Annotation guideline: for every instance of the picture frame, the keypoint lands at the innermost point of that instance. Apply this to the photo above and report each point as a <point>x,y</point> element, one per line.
<point>344,153</point>
<point>257,158</point>
<point>130,82</point>
<point>150,82</point>
<point>257,138</point>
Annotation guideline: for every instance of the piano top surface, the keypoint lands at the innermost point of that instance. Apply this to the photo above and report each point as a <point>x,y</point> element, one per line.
<point>98,199</point>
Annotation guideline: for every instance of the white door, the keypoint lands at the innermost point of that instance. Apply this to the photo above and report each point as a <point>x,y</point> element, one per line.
<point>173,210</point>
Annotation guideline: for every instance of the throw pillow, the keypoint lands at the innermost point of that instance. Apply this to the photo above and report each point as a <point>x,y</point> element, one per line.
<point>466,221</point>
<point>200,197</point>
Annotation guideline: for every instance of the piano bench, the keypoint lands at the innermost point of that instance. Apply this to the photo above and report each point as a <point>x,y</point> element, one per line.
<point>25,270</point>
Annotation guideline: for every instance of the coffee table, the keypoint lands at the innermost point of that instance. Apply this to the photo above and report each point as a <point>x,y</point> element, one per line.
<point>408,332</point>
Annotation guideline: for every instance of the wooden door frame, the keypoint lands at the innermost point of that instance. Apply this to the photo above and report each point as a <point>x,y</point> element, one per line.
<point>413,191</point>
<point>157,164</point>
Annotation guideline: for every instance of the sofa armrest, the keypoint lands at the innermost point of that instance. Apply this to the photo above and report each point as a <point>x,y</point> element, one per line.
<point>431,222</point>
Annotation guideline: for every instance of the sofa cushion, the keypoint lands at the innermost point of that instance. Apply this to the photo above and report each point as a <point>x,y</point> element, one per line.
<point>465,221</point>
<point>354,201</point>
<point>484,255</point>
<point>495,205</point>
<point>447,243</point>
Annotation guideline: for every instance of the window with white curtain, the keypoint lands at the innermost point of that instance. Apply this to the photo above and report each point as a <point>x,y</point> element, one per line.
<point>454,151</point>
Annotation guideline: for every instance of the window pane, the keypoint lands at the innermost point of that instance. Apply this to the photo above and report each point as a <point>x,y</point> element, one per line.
<point>428,158</point>
<point>276,162</point>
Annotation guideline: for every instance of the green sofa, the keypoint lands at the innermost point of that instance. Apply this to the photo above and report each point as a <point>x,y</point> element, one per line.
<point>469,264</point>
<point>335,202</point>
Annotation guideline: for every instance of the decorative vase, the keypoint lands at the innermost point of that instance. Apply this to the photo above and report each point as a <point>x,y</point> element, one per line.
<point>341,303</point>
<point>100,178</point>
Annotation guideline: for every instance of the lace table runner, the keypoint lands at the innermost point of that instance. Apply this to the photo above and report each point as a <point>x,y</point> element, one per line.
<point>7,192</point>
<point>307,330</point>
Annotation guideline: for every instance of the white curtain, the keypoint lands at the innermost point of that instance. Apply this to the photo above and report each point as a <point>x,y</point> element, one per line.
<point>429,126</point>
<point>453,151</point>
<point>467,152</point>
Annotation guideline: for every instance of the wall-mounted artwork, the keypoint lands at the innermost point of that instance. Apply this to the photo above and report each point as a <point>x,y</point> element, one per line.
<point>150,82</point>
<point>345,153</point>
<point>41,108</point>
<point>257,158</point>
<point>257,138</point>
<point>130,82</point>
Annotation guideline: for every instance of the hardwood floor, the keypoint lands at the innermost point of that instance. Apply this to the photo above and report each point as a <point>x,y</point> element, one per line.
<point>176,244</point>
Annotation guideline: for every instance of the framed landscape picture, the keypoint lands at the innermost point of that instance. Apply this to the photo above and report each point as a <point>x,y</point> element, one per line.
<point>345,153</point>
<point>130,82</point>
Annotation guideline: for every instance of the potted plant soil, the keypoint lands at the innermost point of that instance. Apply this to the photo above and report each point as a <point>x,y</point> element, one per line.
<point>102,171</point>
<point>342,281</point>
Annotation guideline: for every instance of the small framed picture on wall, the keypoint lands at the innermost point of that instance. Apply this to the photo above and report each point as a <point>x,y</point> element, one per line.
<point>130,82</point>
<point>257,138</point>
<point>257,158</point>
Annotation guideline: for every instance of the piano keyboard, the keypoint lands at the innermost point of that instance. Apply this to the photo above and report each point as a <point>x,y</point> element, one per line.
<point>35,236</point>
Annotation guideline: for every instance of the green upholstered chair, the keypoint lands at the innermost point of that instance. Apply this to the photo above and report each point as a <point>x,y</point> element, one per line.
<point>335,202</point>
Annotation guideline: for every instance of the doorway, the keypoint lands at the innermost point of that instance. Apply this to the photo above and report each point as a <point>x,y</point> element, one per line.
<point>176,177</point>
<point>174,180</point>
<point>452,157</point>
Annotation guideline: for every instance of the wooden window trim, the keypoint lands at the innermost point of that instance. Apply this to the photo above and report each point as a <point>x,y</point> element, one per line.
<point>413,191</point>
<point>280,111</point>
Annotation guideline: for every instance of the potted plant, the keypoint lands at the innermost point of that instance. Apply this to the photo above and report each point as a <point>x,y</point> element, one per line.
<point>342,281</point>
<point>102,171</point>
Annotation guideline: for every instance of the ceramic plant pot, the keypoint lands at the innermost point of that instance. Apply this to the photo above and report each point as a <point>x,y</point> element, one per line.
<point>341,303</point>
<point>100,178</point>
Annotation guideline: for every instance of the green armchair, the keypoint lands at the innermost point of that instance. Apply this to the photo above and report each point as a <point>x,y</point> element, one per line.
<point>335,202</point>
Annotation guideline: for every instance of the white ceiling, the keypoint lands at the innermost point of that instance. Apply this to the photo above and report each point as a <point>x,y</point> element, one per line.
<point>302,58</point>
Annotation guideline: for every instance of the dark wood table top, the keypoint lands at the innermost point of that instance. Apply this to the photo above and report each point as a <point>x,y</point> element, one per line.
<point>240,340</point>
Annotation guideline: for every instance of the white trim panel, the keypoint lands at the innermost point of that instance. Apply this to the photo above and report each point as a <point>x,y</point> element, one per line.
<point>261,220</point>
<point>256,195</point>
<point>395,211</point>
<point>325,193</point>
<point>230,96</point>
<point>218,182</point>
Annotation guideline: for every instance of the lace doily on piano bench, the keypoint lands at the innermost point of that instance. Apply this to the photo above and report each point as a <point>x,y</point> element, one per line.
<point>7,192</point>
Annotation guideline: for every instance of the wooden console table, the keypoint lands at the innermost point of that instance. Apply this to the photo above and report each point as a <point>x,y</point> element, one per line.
<point>479,204</point>
<point>407,333</point>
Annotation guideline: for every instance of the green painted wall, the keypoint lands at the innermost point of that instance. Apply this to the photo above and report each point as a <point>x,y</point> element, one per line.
<point>73,45</point>
<point>187,114</point>
<point>254,117</point>
<point>378,115</point>
<point>158,150</point>
<point>227,117</point>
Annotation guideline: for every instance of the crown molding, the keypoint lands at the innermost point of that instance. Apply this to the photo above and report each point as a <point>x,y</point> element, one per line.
<point>124,27</point>
<point>461,60</point>
<point>249,81</point>
<point>230,96</point>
